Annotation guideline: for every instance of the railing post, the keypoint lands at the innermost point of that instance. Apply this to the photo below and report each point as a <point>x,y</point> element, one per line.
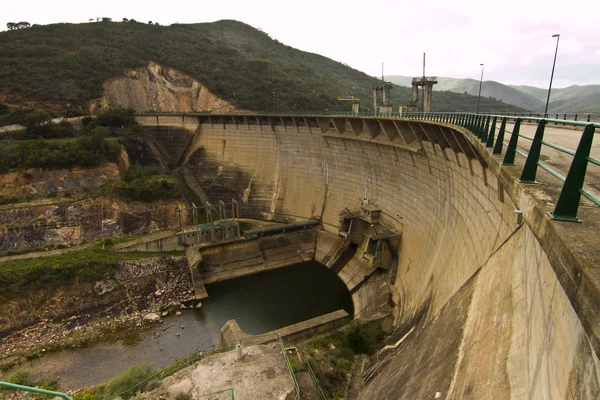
<point>486,129</point>
<point>476,125</point>
<point>500,140</point>
<point>570,195</point>
<point>490,138</point>
<point>476,130</point>
<point>509,157</point>
<point>481,126</point>
<point>531,164</point>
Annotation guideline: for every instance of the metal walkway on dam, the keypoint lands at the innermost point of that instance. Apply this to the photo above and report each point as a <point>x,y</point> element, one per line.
<point>499,218</point>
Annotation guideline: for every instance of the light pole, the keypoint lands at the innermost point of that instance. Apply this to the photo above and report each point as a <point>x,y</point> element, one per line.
<point>480,83</point>
<point>557,36</point>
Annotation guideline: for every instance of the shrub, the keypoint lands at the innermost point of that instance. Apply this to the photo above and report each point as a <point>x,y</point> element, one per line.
<point>21,377</point>
<point>85,150</point>
<point>137,374</point>
<point>117,117</point>
<point>145,184</point>
<point>360,338</point>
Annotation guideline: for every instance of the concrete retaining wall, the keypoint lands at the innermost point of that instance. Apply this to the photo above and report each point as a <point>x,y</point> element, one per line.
<point>231,331</point>
<point>239,258</point>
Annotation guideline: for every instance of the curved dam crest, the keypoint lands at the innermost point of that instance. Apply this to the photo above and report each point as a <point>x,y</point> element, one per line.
<point>491,317</point>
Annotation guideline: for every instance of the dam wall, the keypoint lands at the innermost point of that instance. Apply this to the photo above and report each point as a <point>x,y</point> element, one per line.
<point>490,315</point>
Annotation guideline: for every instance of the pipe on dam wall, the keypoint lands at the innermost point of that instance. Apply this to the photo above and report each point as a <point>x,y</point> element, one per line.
<point>270,230</point>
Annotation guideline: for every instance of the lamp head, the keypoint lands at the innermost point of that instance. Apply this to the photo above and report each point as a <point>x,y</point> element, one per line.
<point>556,35</point>
<point>481,65</point>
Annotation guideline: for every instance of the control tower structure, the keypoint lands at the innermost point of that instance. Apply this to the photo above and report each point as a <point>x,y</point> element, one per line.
<point>426,82</point>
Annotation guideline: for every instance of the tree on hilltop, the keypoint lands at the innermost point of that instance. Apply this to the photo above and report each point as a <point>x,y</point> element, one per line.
<point>13,26</point>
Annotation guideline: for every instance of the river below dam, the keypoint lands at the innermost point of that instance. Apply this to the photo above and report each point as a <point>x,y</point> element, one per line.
<point>259,303</point>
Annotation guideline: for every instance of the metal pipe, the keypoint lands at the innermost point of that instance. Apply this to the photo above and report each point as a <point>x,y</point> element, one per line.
<point>270,230</point>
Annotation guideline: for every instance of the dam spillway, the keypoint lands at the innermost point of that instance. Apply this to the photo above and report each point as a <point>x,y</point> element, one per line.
<point>468,266</point>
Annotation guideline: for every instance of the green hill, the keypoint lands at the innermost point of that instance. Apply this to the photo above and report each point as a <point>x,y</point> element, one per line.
<point>63,66</point>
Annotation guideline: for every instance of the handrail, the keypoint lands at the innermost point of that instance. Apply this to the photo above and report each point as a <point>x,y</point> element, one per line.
<point>290,368</point>
<point>34,390</point>
<point>315,381</point>
<point>217,392</point>
<point>483,126</point>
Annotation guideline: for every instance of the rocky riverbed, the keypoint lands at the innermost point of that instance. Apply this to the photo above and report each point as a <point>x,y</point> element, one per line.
<point>139,294</point>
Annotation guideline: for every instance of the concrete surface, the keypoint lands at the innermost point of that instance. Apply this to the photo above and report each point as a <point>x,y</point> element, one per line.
<point>261,374</point>
<point>308,391</point>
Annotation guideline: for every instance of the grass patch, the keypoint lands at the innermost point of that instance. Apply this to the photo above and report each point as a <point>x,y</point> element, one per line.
<point>87,265</point>
<point>138,375</point>
<point>145,184</point>
<point>21,377</point>
<point>332,356</point>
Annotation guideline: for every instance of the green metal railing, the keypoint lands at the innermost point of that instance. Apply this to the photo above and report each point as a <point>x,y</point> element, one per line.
<point>559,118</point>
<point>315,381</point>
<point>225,394</point>
<point>34,390</point>
<point>484,125</point>
<point>290,368</point>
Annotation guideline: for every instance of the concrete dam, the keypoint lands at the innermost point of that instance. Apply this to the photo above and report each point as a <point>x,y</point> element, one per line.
<point>487,297</point>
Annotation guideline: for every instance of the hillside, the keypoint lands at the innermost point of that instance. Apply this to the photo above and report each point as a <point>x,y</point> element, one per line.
<point>491,89</point>
<point>64,67</point>
<point>583,99</point>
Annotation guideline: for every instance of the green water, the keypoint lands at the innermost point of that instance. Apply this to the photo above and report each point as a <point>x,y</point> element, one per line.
<point>259,303</point>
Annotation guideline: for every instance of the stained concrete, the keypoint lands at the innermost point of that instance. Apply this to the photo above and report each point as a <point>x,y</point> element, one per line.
<point>509,306</point>
<point>261,374</point>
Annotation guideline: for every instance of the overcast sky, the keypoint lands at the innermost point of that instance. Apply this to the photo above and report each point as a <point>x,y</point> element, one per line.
<point>513,37</point>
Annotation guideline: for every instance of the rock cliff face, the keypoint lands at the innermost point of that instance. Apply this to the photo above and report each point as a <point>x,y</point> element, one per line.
<point>37,181</point>
<point>159,88</point>
<point>31,226</point>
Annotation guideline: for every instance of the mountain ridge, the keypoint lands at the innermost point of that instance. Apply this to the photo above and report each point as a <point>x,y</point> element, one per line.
<point>575,98</point>
<point>64,66</point>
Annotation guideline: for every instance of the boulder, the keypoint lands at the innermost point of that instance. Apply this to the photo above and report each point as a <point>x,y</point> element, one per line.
<point>152,317</point>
